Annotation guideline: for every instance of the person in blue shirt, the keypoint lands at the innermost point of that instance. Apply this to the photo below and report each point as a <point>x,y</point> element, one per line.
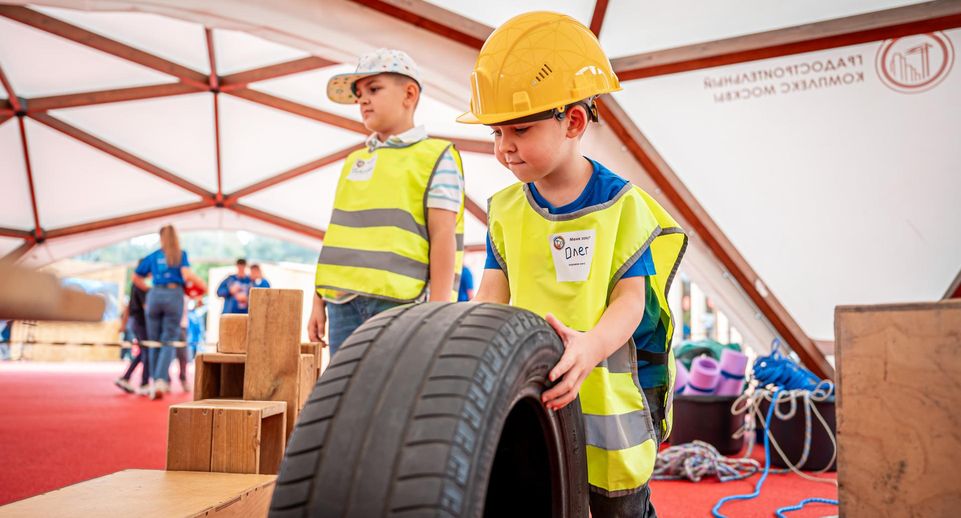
<point>235,289</point>
<point>196,324</point>
<point>257,277</point>
<point>6,327</point>
<point>466,290</point>
<point>652,372</point>
<point>170,269</point>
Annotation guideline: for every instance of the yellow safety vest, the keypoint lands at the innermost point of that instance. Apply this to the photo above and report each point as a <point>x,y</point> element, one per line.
<point>568,264</point>
<point>377,243</point>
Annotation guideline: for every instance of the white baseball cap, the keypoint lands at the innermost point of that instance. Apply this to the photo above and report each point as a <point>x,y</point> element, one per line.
<point>340,88</point>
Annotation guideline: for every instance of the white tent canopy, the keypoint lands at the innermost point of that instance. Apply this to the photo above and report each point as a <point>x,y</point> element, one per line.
<point>812,178</point>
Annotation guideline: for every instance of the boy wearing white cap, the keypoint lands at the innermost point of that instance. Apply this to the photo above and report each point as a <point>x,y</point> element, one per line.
<point>396,232</point>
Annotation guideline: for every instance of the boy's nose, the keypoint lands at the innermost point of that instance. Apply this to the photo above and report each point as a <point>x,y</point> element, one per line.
<point>505,145</point>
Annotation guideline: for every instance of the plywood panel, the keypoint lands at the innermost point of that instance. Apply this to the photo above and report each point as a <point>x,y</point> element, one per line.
<point>235,447</point>
<point>273,348</point>
<point>899,368</point>
<point>188,439</point>
<point>153,494</point>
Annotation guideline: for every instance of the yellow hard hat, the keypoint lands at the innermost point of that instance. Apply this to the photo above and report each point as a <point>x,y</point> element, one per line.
<point>537,62</point>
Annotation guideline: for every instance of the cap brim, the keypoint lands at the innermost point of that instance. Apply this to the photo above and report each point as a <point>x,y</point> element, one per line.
<point>340,87</point>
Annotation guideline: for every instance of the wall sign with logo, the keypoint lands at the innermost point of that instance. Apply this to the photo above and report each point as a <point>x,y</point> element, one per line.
<point>915,63</point>
<point>909,65</point>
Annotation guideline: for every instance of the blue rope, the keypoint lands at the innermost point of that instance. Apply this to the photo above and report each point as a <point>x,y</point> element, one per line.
<point>780,512</point>
<point>782,372</point>
<point>716,511</point>
<point>778,369</point>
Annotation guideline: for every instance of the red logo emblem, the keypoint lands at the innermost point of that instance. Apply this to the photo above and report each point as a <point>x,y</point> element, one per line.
<point>915,63</point>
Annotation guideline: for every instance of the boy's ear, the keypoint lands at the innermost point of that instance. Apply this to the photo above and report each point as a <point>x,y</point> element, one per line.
<point>412,93</point>
<point>577,120</point>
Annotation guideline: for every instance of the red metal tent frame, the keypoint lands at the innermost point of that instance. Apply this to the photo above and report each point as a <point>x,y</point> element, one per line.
<point>903,21</point>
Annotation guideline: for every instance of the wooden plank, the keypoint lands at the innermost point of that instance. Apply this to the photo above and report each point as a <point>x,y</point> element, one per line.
<point>235,443</point>
<point>273,348</point>
<point>153,494</point>
<point>899,446</point>
<point>46,352</point>
<point>189,438</point>
<point>233,334</point>
<point>273,440</point>
<point>307,378</point>
<point>32,295</point>
<point>266,408</point>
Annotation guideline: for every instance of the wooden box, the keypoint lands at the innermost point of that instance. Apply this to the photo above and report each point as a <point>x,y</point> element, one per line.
<point>154,494</point>
<point>219,376</point>
<point>228,436</point>
<point>897,412</point>
<point>233,334</point>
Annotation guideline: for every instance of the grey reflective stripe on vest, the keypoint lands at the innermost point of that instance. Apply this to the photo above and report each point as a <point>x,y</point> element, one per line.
<point>386,261</point>
<point>620,361</point>
<point>378,218</point>
<point>618,432</point>
<point>459,241</point>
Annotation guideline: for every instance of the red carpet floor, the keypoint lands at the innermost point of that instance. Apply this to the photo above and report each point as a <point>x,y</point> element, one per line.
<point>65,423</point>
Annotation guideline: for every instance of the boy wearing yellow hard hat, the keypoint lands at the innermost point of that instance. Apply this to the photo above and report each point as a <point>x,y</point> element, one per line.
<point>581,246</point>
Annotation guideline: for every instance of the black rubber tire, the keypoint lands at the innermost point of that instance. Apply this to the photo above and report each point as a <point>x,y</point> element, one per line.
<point>433,410</point>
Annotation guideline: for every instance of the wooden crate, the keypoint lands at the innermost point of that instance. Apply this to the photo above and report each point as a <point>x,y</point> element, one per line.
<point>66,332</point>
<point>154,494</point>
<point>897,410</point>
<point>233,334</point>
<point>229,436</point>
<point>44,352</point>
<point>219,376</point>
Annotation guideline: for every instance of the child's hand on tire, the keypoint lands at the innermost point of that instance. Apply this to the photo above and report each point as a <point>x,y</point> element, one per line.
<point>581,354</point>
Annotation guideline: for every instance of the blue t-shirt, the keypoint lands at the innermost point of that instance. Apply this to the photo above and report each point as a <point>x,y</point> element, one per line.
<point>466,285</point>
<point>260,283</point>
<point>602,187</point>
<point>155,264</point>
<point>232,305</point>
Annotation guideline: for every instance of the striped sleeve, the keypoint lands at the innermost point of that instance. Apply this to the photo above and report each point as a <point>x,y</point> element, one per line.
<point>446,189</point>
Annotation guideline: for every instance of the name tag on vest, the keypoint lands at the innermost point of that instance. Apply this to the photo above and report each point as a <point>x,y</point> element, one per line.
<point>572,253</point>
<point>362,170</point>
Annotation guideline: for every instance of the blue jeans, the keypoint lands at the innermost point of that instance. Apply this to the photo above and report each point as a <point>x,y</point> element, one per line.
<point>165,309</point>
<point>345,318</point>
